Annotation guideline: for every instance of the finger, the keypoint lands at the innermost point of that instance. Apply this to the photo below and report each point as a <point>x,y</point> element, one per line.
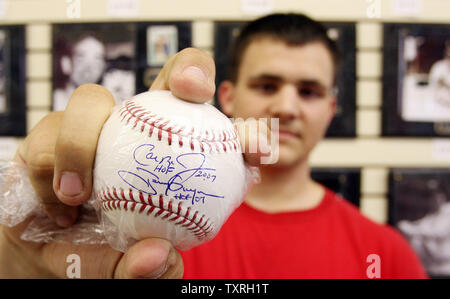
<point>254,136</point>
<point>189,75</point>
<point>38,153</point>
<point>150,258</point>
<point>89,107</point>
<point>65,260</point>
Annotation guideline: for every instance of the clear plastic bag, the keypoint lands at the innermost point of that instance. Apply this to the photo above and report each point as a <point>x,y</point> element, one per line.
<point>18,202</point>
<point>129,145</point>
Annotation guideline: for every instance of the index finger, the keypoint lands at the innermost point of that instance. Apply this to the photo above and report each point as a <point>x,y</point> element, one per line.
<point>88,109</point>
<point>189,75</point>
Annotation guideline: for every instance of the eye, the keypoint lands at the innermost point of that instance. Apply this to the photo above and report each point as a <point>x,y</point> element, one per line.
<point>267,88</point>
<point>307,92</point>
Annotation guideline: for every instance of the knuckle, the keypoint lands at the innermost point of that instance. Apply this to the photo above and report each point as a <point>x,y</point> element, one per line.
<point>41,165</point>
<point>196,53</point>
<point>54,115</point>
<point>92,92</point>
<point>88,87</point>
<point>41,169</point>
<point>50,118</point>
<point>190,51</point>
<point>72,148</point>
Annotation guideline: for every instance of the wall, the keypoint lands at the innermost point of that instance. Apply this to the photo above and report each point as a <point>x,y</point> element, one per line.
<point>369,150</point>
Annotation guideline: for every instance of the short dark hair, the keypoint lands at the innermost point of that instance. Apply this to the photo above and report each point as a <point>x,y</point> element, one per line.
<point>293,29</point>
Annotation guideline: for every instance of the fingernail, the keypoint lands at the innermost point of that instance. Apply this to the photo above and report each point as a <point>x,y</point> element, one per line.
<point>194,71</point>
<point>158,272</point>
<point>70,184</point>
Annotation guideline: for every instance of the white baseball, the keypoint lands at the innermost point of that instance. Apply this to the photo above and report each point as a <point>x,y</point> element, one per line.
<point>169,168</point>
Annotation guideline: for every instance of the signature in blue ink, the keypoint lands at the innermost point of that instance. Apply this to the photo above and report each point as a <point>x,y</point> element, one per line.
<point>146,176</point>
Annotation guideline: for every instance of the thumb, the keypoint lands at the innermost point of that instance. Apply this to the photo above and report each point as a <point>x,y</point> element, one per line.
<point>150,258</point>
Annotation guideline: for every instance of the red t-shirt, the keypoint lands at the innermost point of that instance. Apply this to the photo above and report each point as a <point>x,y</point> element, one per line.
<point>332,240</point>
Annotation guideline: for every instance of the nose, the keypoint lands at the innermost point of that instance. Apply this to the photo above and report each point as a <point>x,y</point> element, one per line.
<point>286,105</point>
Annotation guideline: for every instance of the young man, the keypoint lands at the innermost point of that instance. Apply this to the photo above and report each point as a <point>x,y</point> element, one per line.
<point>86,64</point>
<point>283,66</point>
<point>289,226</point>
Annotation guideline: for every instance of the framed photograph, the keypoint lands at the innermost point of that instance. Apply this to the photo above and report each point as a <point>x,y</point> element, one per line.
<point>102,53</point>
<point>416,80</point>
<point>162,43</point>
<point>344,181</point>
<point>419,207</point>
<point>156,43</point>
<point>12,81</point>
<point>344,122</point>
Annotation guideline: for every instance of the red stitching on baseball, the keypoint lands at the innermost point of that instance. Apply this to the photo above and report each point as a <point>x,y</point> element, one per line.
<point>118,200</point>
<point>137,112</point>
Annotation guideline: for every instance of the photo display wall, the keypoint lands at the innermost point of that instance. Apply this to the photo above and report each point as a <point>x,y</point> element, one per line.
<point>125,58</point>
<point>156,42</point>
<point>344,122</point>
<point>12,81</point>
<point>419,207</point>
<point>416,80</point>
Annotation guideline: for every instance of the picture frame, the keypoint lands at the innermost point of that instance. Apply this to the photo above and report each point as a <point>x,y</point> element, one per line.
<point>419,208</point>
<point>12,81</point>
<point>102,53</point>
<point>344,123</point>
<point>156,43</point>
<point>346,182</point>
<point>416,92</point>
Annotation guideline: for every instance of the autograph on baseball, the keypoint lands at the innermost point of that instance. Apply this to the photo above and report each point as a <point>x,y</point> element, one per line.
<point>150,176</point>
<point>167,168</point>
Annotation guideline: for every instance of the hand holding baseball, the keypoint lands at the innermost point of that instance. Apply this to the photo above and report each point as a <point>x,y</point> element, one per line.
<point>59,153</point>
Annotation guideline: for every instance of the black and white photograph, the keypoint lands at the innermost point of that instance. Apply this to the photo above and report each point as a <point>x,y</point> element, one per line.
<point>416,80</point>
<point>156,43</point>
<point>346,182</point>
<point>2,71</point>
<point>426,82</point>
<point>93,53</point>
<point>420,210</point>
<point>12,81</point>
<point>343,124</point>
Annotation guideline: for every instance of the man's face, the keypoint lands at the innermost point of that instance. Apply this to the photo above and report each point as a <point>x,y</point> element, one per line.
<point>88,61</point>
<point>291,83</point>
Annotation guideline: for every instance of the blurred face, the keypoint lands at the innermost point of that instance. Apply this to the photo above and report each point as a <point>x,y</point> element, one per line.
<point>120,83</point>
<point>88,61</point>
<point>291,83</point>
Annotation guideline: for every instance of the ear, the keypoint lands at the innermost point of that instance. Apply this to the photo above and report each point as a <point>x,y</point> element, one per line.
<point>226,97</point>
<point>66,65</point>
<point>333,108</point>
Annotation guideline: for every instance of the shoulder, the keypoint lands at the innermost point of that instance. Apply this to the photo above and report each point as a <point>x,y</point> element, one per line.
<point>353,217</point>
<point>439,67</point>
<point>396,255</point>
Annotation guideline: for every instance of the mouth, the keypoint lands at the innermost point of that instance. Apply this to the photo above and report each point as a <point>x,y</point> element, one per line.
<point>285,134</point>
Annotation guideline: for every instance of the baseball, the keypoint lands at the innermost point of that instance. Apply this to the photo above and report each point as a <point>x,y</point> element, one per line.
<point>168,168</point>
